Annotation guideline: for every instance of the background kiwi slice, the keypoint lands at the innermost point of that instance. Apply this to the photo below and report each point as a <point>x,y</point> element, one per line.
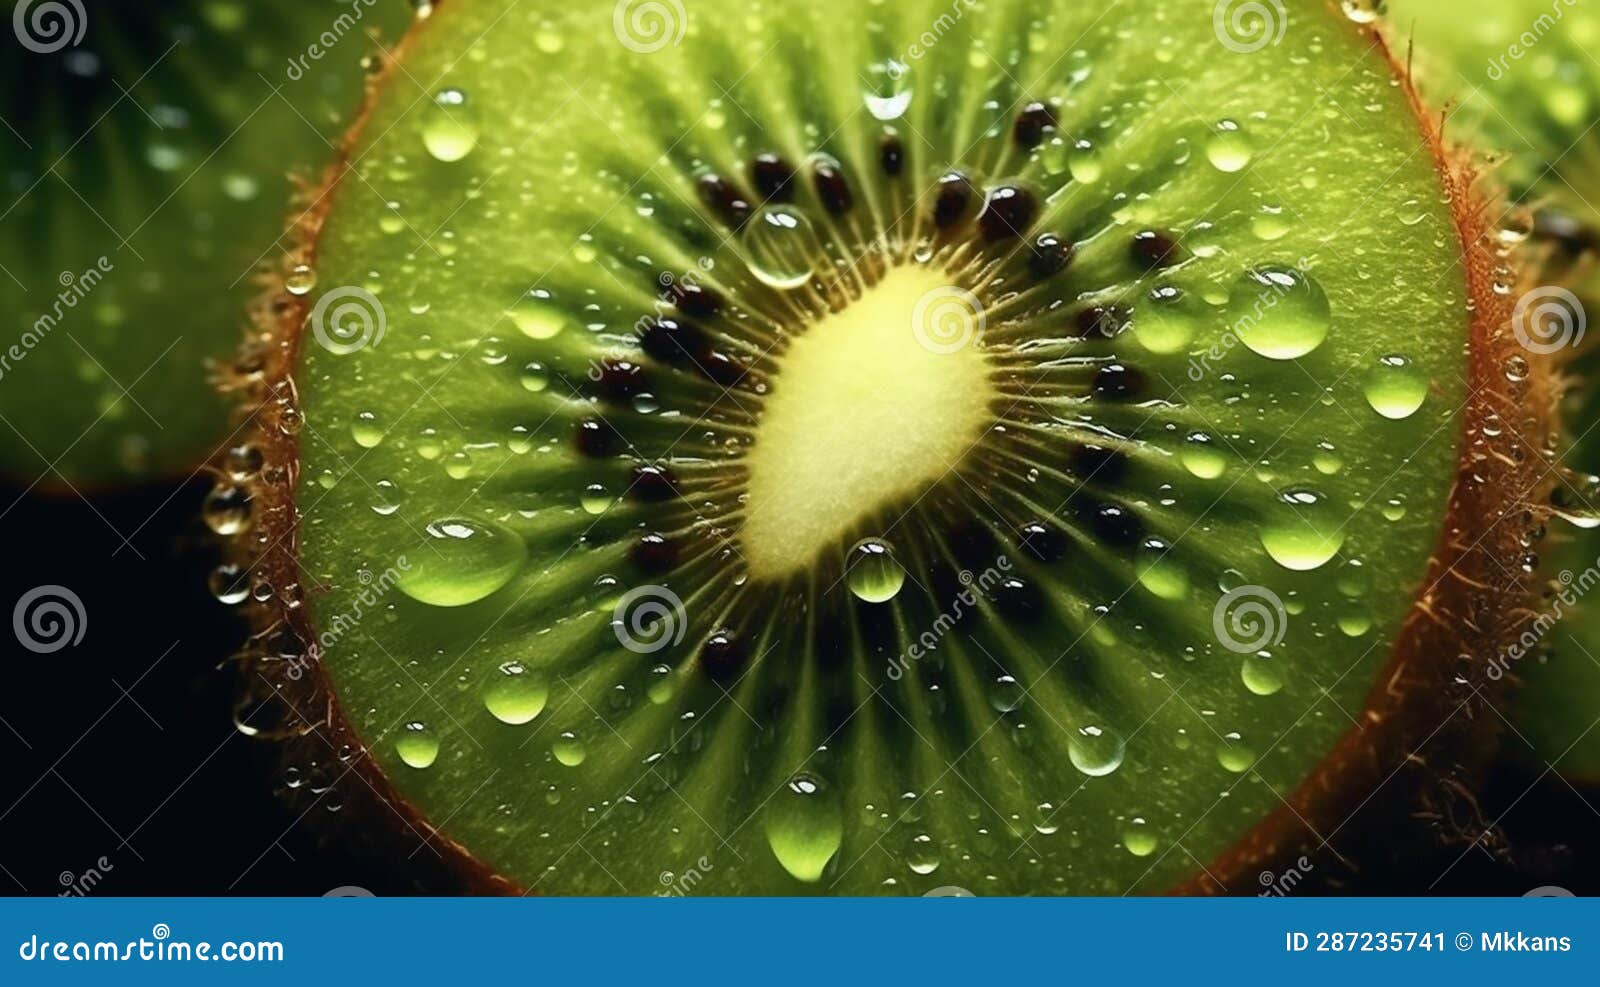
<point>146,157</point>
<point>1521,85</point>
<point>865,448</point>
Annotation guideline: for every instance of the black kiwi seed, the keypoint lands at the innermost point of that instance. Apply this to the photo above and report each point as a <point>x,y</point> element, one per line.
<point>1153,250</point>
<point>1118,382</point>
<point>1113,524</point>
<point>671,341</point>
<point>722,657</point>
<point>695,300</point>
<point>953,200</point>
<point>1018,598</point>
<point>654,554</point>
<point>653,484</point>
<point>832,188</point>
<point>1103,321</point>
<point>1051,255</point>
<point>1099,465</point>
<point>723,198</point>
<point>595,438</point>
<point>1042,541</point>
<point>1008,213</point>
<point>892,154</point>
<point>1035,120</point>
<point>773,178</point>
<point>620,380</point>
<point>724,369</point>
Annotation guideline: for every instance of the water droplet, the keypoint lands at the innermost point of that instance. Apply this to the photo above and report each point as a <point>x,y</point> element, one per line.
<point>888,92</point>
<point>417,746</point>
<point>1395,388</point>
<point>1139,839</point>
<point>1269,223</point>
<point>450,126</point>
<point>229,584</point>
<point>569,749</point>
<point>1234,755</point>
<point>1279,313</point>
<point>1164,323</point>
<point>300,280</point>
<point>366,430</point>
<point>1304,532</point>
<point>1007,694</point>
<point>535,378</point>
<point>805,827</point>
<point>873,574</point>
<point>781,247</point>
<point>1160,573</point>
<point>1228,148</point>
<point>595,501</point>
<point>227,509</point>
<point>1095,750</point>
<point>514,696</point>
<point>1202,457</point>
<point>462,562</point>
<point>923,856</point>
<point>1084,163</point>
<point>1263,676</point>
<point>538,316</point>
<point>386,497</point>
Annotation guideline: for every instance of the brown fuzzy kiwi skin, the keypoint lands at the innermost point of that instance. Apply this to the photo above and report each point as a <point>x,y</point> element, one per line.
<point>1419,745</point>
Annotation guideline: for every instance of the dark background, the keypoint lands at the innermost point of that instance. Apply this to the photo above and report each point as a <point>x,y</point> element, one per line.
<point>124,747</point>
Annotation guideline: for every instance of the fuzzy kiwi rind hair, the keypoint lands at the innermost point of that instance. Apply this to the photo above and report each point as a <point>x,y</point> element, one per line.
<point>1421,740</point>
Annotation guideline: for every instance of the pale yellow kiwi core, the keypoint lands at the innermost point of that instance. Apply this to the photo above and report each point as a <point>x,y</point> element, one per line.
<point>869,408</point>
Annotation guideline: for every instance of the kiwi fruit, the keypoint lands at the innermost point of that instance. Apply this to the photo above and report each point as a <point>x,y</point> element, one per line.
<point>861,449</point>
<point>147,156</point>
<point>1519,84</point>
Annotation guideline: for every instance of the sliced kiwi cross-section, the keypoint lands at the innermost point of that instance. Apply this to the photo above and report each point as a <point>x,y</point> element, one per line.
<point>864,448</point>
<point>146,156</point>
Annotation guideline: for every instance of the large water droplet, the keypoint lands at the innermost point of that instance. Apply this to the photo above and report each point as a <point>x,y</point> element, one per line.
<point>1279,313</point>
<point>537,316</point>
<point>873,575</point>
<point>462,562</point>
<point>569,749</point>
<point>515,696</point>
<point>450,126</point>
<point>781,247</point>
<point>1096,750</point>
<point>1395,388</point>
<point>805,827</point>
<point>417,745</point>
<point>1164,323</point>
<point>1228,149</point>
<point>888,92</point>
<point>1304,531</point>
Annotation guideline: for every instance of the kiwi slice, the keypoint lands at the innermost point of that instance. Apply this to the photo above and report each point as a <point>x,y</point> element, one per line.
<point>859,449</point>
<point>1519,80</point>
<point>147,151</point>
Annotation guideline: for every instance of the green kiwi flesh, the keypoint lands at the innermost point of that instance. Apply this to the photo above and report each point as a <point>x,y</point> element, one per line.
<point>147,164</point>
<point>953,597</point>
